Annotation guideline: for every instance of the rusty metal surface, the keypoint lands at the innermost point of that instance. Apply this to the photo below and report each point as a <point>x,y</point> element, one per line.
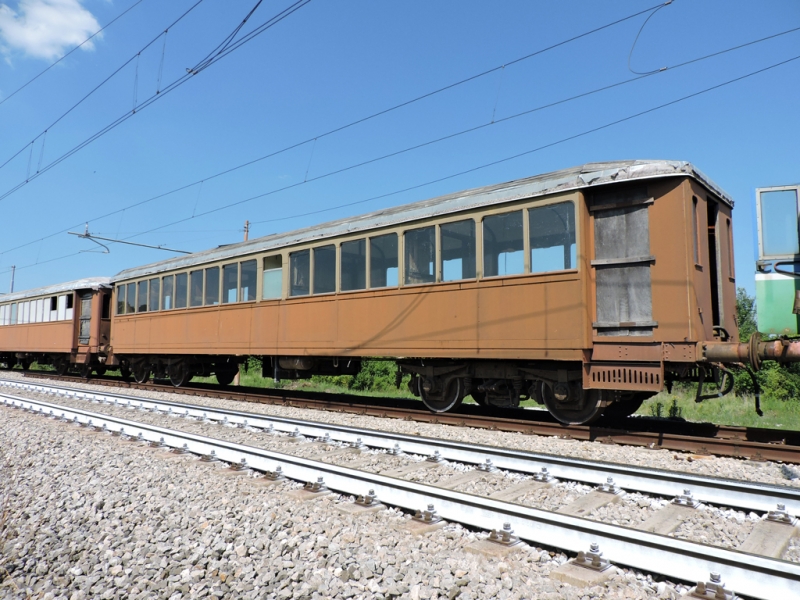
<point>581,177</point>
<point>698,438</point>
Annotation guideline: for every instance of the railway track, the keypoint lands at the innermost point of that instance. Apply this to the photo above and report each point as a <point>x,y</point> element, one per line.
<point>745,573</point>
<point>701,438</point>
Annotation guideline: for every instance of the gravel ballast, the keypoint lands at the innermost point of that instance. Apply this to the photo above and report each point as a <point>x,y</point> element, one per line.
<point>732,468</point>
<point>92,516</point>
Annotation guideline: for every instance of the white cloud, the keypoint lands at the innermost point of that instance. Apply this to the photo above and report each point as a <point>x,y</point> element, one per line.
<point>45,28</point>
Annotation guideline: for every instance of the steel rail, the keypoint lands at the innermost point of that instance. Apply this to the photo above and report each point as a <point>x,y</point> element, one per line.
<point>746,495</point>
<point>738,442</point>
<point>748,574</point>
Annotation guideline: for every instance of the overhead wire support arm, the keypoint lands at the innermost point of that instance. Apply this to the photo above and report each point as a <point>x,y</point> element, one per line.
<point>88,236</point>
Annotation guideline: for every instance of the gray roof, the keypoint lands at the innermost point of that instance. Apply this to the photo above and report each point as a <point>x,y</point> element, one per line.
<point>588,175</point>
<point>89,283</point>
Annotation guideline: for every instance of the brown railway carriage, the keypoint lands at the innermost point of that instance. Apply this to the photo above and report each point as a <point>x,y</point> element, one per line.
<point>61,325</point>
<point>587,289</point>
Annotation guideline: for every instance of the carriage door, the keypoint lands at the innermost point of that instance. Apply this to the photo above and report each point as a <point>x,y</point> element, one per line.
<point>622,263</point>
<point>85,322</point>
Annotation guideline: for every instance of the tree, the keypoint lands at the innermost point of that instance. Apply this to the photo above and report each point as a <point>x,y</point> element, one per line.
<point>745,314</point>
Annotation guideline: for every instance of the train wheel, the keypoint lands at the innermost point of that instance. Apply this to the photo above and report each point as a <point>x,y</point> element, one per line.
<point>226,377</point>
<point>25,363</point>
<point>624,408</point>
<point>572,405</point>
<point>141,373</point>
<point>179,374</point>
<point>86,371</point>
<point>445,399</point>
<point>62,366</point>
<point>125,373</point>
<point>100,370</point>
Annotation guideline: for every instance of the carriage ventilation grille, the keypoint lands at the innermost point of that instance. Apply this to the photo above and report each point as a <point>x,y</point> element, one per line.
<point>622,377</point>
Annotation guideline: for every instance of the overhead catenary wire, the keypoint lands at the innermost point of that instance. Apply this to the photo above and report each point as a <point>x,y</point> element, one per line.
<point>84,42</point>
<point>465,171</point>
<point>103,82</point>
<point>392,109</point>
<point>496,162</point>
<point>151,99</point>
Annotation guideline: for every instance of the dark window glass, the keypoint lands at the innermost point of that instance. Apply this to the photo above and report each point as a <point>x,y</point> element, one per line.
<point>212,286</point>
<point>458,250</point>
<point>120,300</point>
<point>503,246</point>
<point>230,283</point>
<point>54,299</point>
<point>155,290</point>
<point>354,265</point>
<point>248,281</point>
<point>383,261</point>
<point>70,301</point>
<point>141,298</point>
<point>130,299</point>
<point>420,255</point>
<point>272,284</point>
<point>299,271</point>
<point>552,237</point>
<point>181,289</point>
<point>196,288</point>
<point>325,269</point>
<point>168,292</point>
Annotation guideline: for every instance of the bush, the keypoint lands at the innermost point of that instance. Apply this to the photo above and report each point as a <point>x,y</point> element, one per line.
<point>375,376</point>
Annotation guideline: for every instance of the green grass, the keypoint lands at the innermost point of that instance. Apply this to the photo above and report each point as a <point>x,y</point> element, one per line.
<point>729,410</point>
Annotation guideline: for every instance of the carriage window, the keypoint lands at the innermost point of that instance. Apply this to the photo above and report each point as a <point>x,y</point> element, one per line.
<point>54,299</point>
<point>458,250</point>
<point>420,255</point>
<point>70,301</point>
<point>14,314</point>
<point>196,288</point>
<point>141,298</point>
<point>552,237</point>
<point>248,281</point>
<point>299,272</point>
<point>130,301</point>
<point>155,293</point>
<point>779,227</point>
<point>168,292</point>
<point>325,269</point>
<point>383,261</point>
<point>120,300</point>
<point>272,286</point>
<point>354,265</point>
<point>212,286</point>
<point>230,283</point>
<point>181,290</point>
<point>503,246</point>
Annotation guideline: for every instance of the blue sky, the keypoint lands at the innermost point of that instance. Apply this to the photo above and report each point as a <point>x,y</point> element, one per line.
<point>331,63</point>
